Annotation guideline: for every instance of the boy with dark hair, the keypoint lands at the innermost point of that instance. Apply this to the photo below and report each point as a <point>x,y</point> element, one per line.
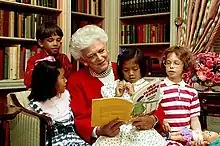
<point>49,38</point>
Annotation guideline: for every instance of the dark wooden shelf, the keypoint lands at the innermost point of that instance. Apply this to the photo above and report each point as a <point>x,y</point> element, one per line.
<point>14,40</point>
<point>146,18</point>
<point>145,44</point>
<point>27,8</point>
<point>85,16</point>
<point>210,106</point>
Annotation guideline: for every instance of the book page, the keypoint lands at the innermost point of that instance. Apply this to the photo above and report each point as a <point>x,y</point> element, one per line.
<point>149,95</point>
<point>105,110</point>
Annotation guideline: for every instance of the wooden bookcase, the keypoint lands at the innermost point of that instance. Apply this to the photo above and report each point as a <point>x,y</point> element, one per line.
<point>66,17</point>
<point>18,22</point>
<point>152,49</point>
<point>149,26</point>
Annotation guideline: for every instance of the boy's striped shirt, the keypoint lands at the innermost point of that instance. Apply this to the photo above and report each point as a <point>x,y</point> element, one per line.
<point>180,103</point>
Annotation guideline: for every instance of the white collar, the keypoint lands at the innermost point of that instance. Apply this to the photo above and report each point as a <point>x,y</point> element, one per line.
<point>168,82</point>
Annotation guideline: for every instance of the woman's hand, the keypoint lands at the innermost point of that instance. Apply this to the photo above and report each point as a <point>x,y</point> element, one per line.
<point>110,130</point>
<point>144,122</point>
<point>120,88</point>
<point>166,126</point>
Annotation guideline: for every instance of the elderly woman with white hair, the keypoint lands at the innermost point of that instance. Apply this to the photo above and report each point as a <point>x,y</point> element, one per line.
<point>89,46</point>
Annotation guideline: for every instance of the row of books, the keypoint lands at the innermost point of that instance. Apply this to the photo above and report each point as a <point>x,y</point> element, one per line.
<point>14,24</point>
<point>87,6</point>
<point>13,61</point>
<point>45,3</point>
<point>145,33</point>
<point>140,7</point>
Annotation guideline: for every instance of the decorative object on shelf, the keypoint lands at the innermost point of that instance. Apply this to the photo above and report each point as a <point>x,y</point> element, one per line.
<point>206,72</point>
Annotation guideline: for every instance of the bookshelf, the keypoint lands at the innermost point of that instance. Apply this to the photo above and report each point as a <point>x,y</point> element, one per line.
<point>18,22</point>
<point>85,12</point>
<point>148,25</point>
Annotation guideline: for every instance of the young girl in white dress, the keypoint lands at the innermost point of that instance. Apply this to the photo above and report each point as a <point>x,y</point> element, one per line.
<point>131,71</point>
<point>49,97</point>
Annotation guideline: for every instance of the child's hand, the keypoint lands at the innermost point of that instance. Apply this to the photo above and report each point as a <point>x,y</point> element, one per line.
<point>120,88</point>
<point>166,126</point>
<point>130,88</point>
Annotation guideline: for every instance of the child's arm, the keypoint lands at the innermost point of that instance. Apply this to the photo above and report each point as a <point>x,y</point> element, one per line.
<point>195,123</point>
<point>195,112</point>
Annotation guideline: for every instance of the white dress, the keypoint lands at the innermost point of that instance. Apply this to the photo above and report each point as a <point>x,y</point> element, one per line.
<point>128,135</point>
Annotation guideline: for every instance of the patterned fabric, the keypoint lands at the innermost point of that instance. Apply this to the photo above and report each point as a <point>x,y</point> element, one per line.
<point>180,102</point>
<point>63,125</point>
<point>128,136</point>
<point>108,90</point>
<point>131,137</point>
<point>201,24</point>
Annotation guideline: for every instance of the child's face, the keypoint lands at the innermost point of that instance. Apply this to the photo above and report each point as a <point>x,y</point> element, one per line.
<point>51,45</point>
<point>131,71</point>
<point>174,67</point>
<point>210,136</point>
<point>61,82</point>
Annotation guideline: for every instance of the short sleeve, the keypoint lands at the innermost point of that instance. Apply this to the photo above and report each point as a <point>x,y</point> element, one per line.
<point>195,105</point>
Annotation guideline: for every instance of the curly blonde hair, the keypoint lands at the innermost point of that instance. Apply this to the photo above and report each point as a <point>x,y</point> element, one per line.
<point>84,37</point>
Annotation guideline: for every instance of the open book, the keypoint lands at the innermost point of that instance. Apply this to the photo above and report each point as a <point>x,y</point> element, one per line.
<point>145,100</point>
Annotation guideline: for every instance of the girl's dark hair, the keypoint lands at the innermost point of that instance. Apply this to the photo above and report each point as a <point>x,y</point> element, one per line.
<point>47,30</point>
<point>131,53</point>
<point>44,79</point>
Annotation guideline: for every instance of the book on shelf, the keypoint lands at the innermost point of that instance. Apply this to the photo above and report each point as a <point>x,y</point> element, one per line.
<point>14,60</point>
<point>140,7</point>
<point>145,33</point>
<point>22,25</point>
<point>1,63</point>
<point>87,6</point>
<point>145,100</point>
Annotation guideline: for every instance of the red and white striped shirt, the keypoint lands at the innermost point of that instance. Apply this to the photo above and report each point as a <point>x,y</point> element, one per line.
<point>180,103</point>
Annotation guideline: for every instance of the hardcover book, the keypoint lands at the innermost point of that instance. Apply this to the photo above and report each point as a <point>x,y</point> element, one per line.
<point>145,100</point>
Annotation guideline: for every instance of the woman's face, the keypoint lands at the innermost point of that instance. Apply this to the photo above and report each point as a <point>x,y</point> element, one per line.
<point>131,71</point>
<point>96,57</point>
<point>61,82</point>
<point>174,67</point>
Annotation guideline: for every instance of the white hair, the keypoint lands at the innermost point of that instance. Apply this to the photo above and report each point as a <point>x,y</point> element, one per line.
<point>85,37</point>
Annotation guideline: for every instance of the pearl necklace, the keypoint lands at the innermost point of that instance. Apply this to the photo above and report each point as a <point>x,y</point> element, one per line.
<point>103,74</point>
